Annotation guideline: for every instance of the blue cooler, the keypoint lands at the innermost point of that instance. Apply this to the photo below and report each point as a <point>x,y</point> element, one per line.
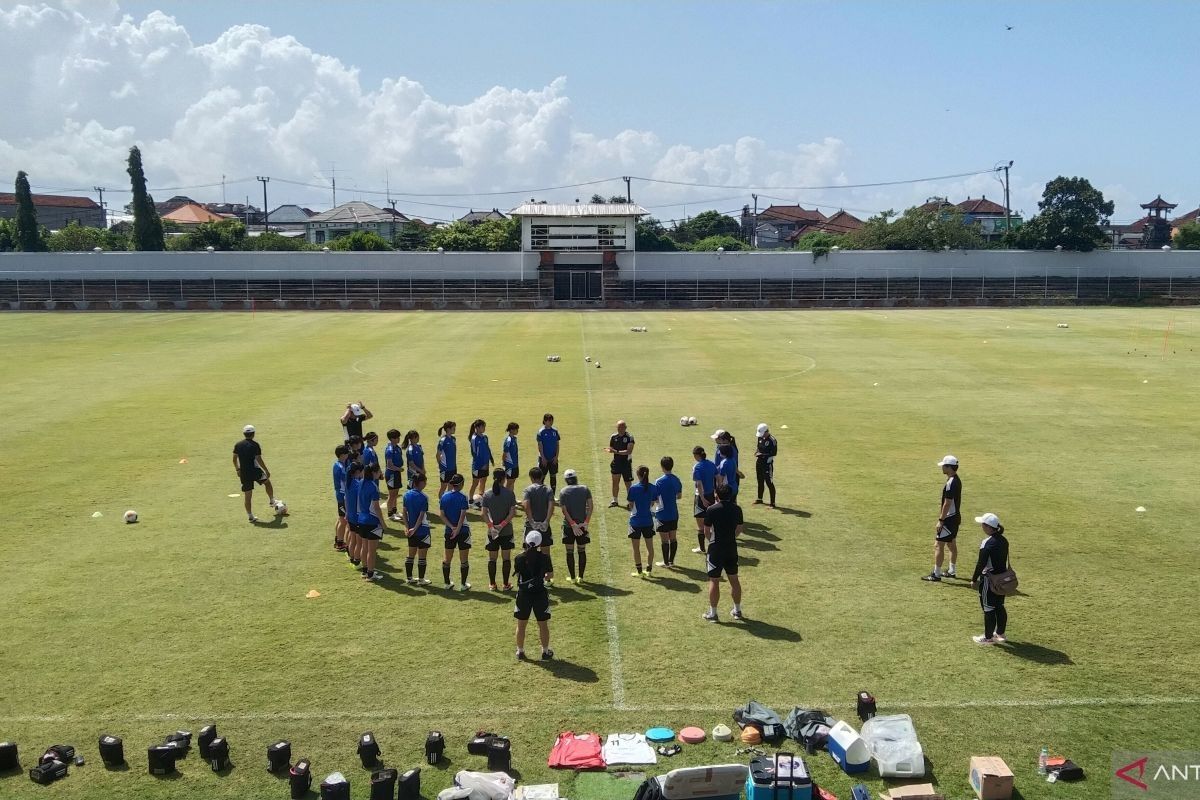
<point>848,749</point>
<point>783,776</point>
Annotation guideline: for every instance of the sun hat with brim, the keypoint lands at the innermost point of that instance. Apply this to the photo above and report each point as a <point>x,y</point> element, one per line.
<point>989,519</point>
<point>762,428</point>
<point>722,733</point>
<point>660,734</point>
<point>248,429</point>
<point>719,433</point>
<point>356,409</point>
<point>948,461</point>
<point>570,474</point>
<point>692,735</point>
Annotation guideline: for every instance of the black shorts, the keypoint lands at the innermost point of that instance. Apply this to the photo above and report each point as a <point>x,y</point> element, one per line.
<point>460,542</point>
<point>481,473</point>
<point>248,481</point>
<point>668,525</point>
<point>765,469</point>
<point>536,602</point>
<point>570,538</point>
<point>948,532</point>
<point>548,467</point>
<point>641,531</point>
<point>392,479</point>
<point>502,542</point>
<point>697,509</point>
<point>511,472</point>
<point>341,506</point>
<point>370,532</point>
<point>445,477</point>
<point>622,468</point>
<point>719,560</point>
<point>421,539</point>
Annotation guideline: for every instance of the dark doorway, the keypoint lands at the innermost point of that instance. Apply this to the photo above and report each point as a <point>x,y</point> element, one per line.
<point>577,285</point>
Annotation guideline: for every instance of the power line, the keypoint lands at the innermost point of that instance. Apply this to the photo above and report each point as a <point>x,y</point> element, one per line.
<point>816,188</point>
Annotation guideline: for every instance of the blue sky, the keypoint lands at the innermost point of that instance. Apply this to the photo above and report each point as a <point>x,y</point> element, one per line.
<point>1100,89</point>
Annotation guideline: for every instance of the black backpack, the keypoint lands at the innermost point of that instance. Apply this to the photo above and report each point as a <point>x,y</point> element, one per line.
<point>112,750</point>
<point>410,785</point>
<point>478,746</point>
<point>300,779</point>
<point>279,756</point>
<point>651,789</point>
<point>499,754</point>
<point>383,784</point>
<point>435,745</point>
<point>368,750</point>
<point>204,738</point>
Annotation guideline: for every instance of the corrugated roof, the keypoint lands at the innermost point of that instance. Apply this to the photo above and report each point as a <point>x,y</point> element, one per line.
<point>355,211</point>
<point>578,210</point>
<point>51,200</point>
<point>481,216</point>
<point>288,214</point>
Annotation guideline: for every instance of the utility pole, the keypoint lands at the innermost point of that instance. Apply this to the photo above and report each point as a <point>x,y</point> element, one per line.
<point>754,233</point>
<point>223,190</point>
<point>1007,208</point>
<point>100,189</point>
<point>628,196</point>
<point>265,181</point>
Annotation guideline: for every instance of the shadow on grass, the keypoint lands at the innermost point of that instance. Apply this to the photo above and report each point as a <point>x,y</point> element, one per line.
<point>225,771</point>
<point>754,544</point>
<point>674,584</point>
<point>748,561</point>
<point>691,572</point>
<point>758,531</point>
<point>765,630</point>
<point>604,590</point>
<point>278,523</point>
<point>444,764</point>
<point>568,671</point>
<point>122,767</point>
<point>1036,653</point>
<point>170,776</point>
<point>794,512</point>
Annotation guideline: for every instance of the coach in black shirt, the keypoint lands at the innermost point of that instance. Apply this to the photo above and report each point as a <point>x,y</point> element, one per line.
<point>620,444</point>
<point>724,519</point>
<point>251,469</point>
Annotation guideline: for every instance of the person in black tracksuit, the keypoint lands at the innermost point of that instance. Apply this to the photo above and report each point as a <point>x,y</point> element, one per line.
<point>530,570</point>
<point>993,559</point>
<point>764,462</point>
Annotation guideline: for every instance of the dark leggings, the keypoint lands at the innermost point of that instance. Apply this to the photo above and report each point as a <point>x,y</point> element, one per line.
<point>996,620</point>
<point>763,471</point>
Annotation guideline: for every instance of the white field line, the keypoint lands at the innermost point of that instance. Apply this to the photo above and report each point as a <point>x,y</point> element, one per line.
<point>477,713</point>
<point>610,602</point>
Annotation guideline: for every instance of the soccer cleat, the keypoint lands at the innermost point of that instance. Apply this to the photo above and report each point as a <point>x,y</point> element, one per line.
<point>507,587</point>
<point>464,587</point>
<point>492,587</point>
<point>423,581</point>
<point>395,518</point>
<point>950,574</point>
<point>758,502</point>
<point>373,576</point>
<point>698,550</point>
<point>448,586</point>
<point>932,578</point>
<point>736,614</point>
<point>521,655</point>
<point>410,581</point>
<point>354,562</point>
<point>981,639</point>
<point>614,504</point>
<point>999,638</point>
<point>661,564</point>
<point>711,616</point>
<point>252,518</point>
<point>547,655</point>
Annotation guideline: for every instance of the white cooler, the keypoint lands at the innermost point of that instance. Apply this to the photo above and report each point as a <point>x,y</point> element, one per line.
<point>848,749</point>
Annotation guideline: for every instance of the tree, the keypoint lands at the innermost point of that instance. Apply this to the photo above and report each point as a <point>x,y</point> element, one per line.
<point>75,238</point>
<point>1187,237</point>
<point>1070,214</point>
<point>147,225</point>
<point>226,234</point>
<point>29,238</point>
<point>492,235</point>
<point>359,241</point>
<point>412,236</point>
<point>8,235</point>
<point>270,240</point>
<point>704,225</point>
<point>724,242</point>
<point>916,229</point>
<point>652,237</point>
<point>819,243</point>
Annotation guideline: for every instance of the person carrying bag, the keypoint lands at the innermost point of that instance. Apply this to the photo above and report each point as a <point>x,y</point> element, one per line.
<point>994,579</point>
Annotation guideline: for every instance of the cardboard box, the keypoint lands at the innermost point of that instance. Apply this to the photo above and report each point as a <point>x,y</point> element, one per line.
<point>991,778</point>
<point>914,791</point>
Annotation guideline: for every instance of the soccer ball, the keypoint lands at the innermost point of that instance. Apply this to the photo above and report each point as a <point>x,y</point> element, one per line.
<point>691,420</point>
<point>597,365</point>
<point>477,498</point>
<point>281,508</point>
<point>130,517</point>
<point>587,358</point>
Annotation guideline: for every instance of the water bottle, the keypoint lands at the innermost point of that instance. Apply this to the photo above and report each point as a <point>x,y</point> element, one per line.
<point>1043,757</point>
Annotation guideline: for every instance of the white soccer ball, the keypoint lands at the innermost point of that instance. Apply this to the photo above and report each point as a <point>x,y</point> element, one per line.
<point>691,420</point>
<point>587,358</point>
<point>130,517</point>
<point>683,421</point>
<point>281,508</point>
<point>597,365</point>
<point>477,498</point>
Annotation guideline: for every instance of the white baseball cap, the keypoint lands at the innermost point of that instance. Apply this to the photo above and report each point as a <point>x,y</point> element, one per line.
<point>248,429</point>
<point>533,539</point>
<point>762,428</point>
<point>719,433</point>
<point>570,474</point>
<point>356,409</point>
<point>948,461</point>
<point>989,519</point>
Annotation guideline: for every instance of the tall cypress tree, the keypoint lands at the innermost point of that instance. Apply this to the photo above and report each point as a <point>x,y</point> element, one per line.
<point>147,225</point>
<point>28,236</point>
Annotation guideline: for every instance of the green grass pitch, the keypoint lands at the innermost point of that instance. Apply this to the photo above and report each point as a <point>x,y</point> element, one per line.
<point>193,615</point>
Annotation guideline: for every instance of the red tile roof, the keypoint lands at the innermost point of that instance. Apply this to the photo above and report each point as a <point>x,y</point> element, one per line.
<point>980,206</point>
<point>1191,216</point>
<point>51,200</point>
<point>790,214</point>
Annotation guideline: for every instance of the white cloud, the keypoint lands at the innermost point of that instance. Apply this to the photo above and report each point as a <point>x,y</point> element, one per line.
<point>253,102</point>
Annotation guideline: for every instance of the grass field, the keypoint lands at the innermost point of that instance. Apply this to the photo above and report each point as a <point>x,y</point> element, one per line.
<point>193,615</point>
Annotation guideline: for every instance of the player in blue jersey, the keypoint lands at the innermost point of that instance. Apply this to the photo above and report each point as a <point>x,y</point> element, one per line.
<point>641,496</point>
<point>481,460</point>
<point>704,478</point>
<point>447,455</point>
<point>370,520</point>
<point>369,454</point>
<point>393,471</point>
<point>547,443</point>
<point>670,490</point>
<point>354,474</point>
<point>454,506</point>
<point>509,455</point>
<point>415,455</point>
<point>416,528</point>
<point>341,455</point>
<point>727,471</point>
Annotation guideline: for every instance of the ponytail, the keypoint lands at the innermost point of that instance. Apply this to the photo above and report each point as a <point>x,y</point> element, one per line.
<point>445,427</point>
<point>512,426</point>
<point>1000,531</point>
<point>475,427</point>
<point>408,437</point>
<point>497,481</point>
<point>643,473</point>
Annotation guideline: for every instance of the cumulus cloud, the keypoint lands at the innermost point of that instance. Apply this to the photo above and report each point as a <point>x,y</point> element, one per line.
<point>255,102</point>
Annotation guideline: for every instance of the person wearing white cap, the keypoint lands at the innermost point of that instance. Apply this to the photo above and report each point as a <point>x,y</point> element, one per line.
<point>764,462</point>
<point>576,502</point>
<point>993,559</point>
<point>530,568</point>
<point>251,469</point>
<point>945,530</point>
<point>620,445</point>
<point>353,418</point>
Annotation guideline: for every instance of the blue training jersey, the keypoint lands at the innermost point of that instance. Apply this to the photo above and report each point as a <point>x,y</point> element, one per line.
<point>642,496</point>
<point>669,487</point>
<point>510,452</point>
<point>727,469</point>
<point>481,452</point>
<point>454,505</point>
<point>705,471</point>
<point>548,439</point>
<point>339,480</point>
<point>368,492</point>
<point>369,456</point>
<point>447,453</point>
<point>415,504</point>
<point>416,459</point>
<point>352,500</point>
<point>393,458</point>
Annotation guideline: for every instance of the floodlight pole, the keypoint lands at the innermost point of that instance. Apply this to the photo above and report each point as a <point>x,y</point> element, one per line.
<point>266,213</point>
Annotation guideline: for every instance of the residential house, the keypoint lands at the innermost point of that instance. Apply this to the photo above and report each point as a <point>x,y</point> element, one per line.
<point>1152,230</point>
<point>350,217</point>
<point>55,211</point>
<point>991,217</point>
<point>289,218</point>
<point>1190,218</point>
<point>474,217</point>
<point>190,215</point>
<point>248,214</point>
<point>776,225</point>
<point>838,223</point>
